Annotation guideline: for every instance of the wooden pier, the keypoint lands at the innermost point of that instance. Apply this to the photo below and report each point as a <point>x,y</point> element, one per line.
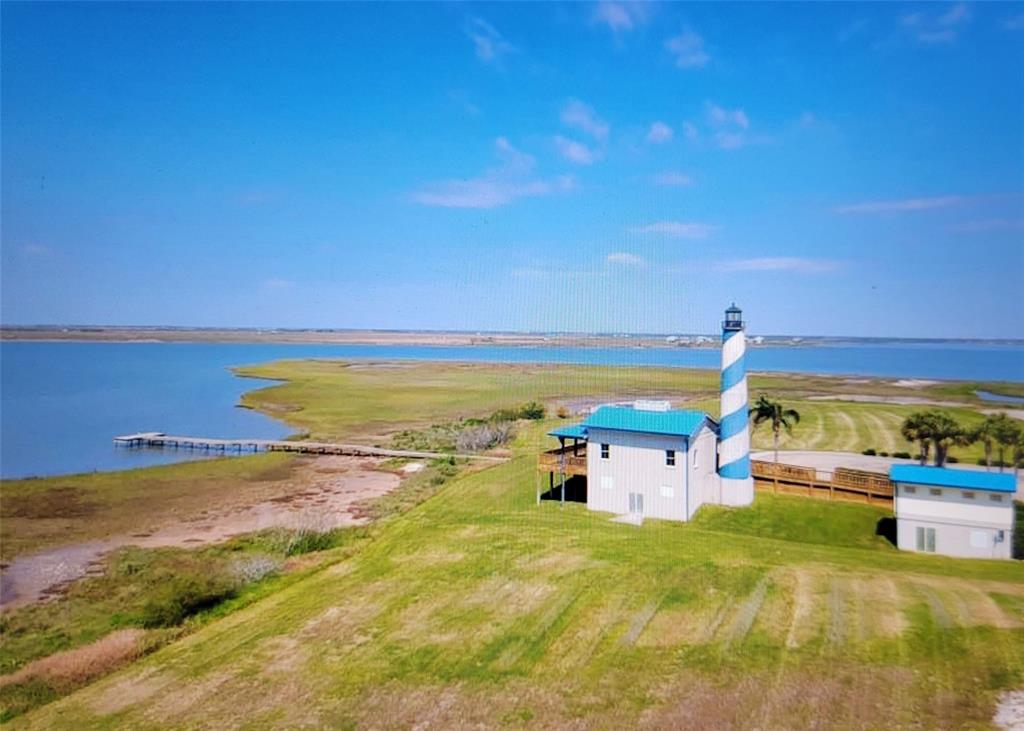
<point>171,441</point>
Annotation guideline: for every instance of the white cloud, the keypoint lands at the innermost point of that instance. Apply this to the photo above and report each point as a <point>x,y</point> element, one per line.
<point>937,28</point>
<point>515,160</point>
<point>623,258</point>
<point>36,250</point>
<point>672,178</point>
<point>900,206</point>
<point>729,126</point>
<point>690,130</point>
<point>496,187</point>
<point>720,117</point>
<point>621,16</point>
<point>489,44</point>
<point>576,152</point>
<point>1014,22</point>
<point>677,229</point>
<point>688,50</point>
<point>581,116</point>
<point>780,264</point>
<point>659,132</point>
<point>990,224</point>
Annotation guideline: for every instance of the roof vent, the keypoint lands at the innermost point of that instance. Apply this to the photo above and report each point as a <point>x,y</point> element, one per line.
<point>652,405</point>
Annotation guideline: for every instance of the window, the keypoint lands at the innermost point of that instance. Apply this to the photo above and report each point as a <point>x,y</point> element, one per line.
<point>668,491</point>
<point>926,539</point>
<point>604,451</point>
<point>968,495</point>
<point>695,458</point>
<point>909,490</point>
<point>935,491</point>
<point>670,458</point>
<point>607,482</point>
<point>996,498</point>
<point>979,539</point>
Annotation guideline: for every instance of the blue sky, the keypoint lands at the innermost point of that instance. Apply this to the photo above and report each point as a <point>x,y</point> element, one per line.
<point>848,169</point>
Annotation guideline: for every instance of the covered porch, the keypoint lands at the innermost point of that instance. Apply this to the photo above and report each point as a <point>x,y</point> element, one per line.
<point>565,464</point>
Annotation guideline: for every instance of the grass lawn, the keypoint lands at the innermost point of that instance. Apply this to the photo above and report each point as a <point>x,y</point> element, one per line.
<point>479,607</point>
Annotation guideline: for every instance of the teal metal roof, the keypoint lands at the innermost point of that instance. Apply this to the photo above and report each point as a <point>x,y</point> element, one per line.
<point>570,431</point>
<point>625,418</point>
<point>945,477</point>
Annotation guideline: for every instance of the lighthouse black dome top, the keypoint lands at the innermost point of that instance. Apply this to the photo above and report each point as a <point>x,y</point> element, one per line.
<point>733,318</point>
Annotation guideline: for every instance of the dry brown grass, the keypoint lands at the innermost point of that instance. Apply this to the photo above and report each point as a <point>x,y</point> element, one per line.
<point>72,668</point>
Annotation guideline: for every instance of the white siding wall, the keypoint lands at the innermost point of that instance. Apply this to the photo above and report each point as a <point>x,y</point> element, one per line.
<point>963,527</point>
<point>704,483</point>
<point>636,463</point>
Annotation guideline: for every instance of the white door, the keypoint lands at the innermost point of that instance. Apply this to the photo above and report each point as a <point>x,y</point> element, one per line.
<point>636,503</point>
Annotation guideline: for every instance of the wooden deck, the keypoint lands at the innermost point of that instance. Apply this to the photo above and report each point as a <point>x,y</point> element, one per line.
<point>567,460</point>
<point>161,440</point>
<point>850,485</point>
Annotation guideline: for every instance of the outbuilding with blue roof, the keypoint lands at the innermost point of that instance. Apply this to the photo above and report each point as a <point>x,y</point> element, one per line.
<point>954,512</point>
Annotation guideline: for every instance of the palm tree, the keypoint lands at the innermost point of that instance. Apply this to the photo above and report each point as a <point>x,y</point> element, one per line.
<point>1018,454</point>
<point>780,418</point>
<point>1005,432</point>
<point>985,433</point>
<point>915,429</point>
<point>944,433</point>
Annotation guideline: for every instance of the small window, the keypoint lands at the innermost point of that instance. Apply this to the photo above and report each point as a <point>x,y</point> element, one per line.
<point>604,451</point>
<point>909,490</point>
<point>668,491</point>
<point>935,491</point>
<point>695,458</point>
<point>607,482</point>
<point>968,495</point>
<point>670,458</point>
<point>996,498</point>
<point>979,539</point>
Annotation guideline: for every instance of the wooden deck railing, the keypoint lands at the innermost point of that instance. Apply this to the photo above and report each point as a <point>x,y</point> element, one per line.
<point>841,484</point>
<point>564,460</point>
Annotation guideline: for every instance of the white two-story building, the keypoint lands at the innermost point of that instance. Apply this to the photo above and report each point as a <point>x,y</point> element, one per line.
<point>647,460</point>
<point>962,513</point>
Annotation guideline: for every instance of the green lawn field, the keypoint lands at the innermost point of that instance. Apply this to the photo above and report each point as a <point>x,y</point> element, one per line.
<point>480,607</point>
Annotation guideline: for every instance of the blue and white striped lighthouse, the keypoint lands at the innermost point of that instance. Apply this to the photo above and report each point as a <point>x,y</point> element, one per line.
<point>734,430</point>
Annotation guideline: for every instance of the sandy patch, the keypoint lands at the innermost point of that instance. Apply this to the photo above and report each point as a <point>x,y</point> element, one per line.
<point>1010,711</point>
<point>326,493</point>
<point>914,383</point>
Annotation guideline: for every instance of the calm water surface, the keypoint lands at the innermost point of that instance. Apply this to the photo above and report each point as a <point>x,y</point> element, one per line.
<point>62,403</point>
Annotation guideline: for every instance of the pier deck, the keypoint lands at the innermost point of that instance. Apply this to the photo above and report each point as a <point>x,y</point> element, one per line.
<point>161,440</point>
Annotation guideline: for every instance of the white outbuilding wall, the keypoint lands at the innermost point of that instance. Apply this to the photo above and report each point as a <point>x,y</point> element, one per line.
<point>636,463</point>
<point>965,523</point>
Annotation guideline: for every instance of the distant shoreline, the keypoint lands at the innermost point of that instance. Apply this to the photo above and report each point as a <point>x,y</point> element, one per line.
<point>436,338</point>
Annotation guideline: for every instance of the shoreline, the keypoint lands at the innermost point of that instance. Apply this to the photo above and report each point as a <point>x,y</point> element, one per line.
<point>453,338</point>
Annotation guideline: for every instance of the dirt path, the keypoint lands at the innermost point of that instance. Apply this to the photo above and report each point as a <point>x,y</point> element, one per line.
<point>327,493</point>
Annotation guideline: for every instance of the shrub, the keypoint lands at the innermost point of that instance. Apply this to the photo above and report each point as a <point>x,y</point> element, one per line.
<point>883,454</point>
<point>869,452</point>
<point>562,413</point>
<point>901,455</point>
<point>484,436</point>
<point>950,459</point>
<point>247,569</point>
<point>179,597</point>
<point>532,410</point>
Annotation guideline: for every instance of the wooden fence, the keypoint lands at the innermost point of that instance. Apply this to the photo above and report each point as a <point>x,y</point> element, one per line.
<point>843,483</point>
